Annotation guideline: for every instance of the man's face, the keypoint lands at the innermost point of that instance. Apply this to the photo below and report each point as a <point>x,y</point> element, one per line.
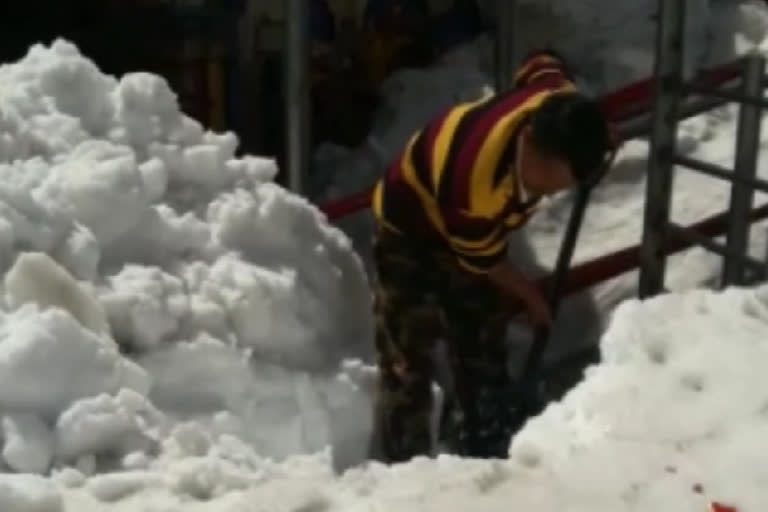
<point>541,174</point>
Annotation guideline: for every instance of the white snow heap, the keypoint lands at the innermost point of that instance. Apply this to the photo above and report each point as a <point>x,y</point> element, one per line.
<point>126,227</point>
<point>671,420</point>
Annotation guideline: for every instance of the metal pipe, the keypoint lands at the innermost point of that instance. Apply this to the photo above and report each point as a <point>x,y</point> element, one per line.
<point>745,168</point>
<point>505,44</point>
<point>696,238</point>
<point>720,172</point>
<point>559,277</point>
<point>732,96</point>
<point>296,80</point>
<point>668,76</point>
<point>641,124</point>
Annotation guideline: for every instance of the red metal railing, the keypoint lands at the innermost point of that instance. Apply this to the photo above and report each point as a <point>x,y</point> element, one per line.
<point>603,268</point>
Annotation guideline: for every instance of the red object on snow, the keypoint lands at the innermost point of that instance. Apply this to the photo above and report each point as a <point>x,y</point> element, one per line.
<point>719,507</point>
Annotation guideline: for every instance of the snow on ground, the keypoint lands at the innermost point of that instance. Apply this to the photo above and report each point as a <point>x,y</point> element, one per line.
<point>671,420</point>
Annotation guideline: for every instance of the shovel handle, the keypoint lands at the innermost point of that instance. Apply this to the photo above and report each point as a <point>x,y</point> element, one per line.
<point>541,335</point>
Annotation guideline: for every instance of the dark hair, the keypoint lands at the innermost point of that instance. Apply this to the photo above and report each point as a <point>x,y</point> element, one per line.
<point>571,126</point>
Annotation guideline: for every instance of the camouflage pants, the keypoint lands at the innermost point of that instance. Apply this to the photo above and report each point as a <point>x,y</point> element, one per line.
<point>422,295</point>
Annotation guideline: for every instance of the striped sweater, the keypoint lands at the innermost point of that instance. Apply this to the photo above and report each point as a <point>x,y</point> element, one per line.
<point>455,182</point>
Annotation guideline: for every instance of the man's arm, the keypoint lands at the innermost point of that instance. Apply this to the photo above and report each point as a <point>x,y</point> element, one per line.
<point>481,249</point>
<point>512,283</point>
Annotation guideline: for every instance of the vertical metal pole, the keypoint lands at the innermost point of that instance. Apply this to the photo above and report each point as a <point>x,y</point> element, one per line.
<point>296,67</point>
<point>506,44</point>
<point>747,152</point>
<point>668,82</point>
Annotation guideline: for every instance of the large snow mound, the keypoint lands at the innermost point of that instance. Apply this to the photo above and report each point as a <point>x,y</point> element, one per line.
<point>672,419</point>
<point>126,228</point>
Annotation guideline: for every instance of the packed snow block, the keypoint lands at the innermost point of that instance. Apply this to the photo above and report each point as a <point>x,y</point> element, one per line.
<point>305,299</point>
<point>154,178</point>
<point>101,185</point>
<point>114,487</point>
<point>79,253</point>
<point>162,239</point>
<point>74,85</point>
<point>36,278</point>
<point>28,443</point>
<point>104,424</point>
<point>29,493</point>
<point>145,305</point>
<point>202,375</point>
<point>256,169</point>
<point>68,477</point>
<point>48,360</point>
<point>147,109</point>
<point>204,166</point>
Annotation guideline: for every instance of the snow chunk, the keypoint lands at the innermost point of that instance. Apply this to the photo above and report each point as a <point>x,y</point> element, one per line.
<point>118,486</point>
<point>135,461</point>
<point>102,186</point>
<point>28,443</point>
<point>145,305</point>
<point>154,178</point>
<point>29,493</point>
<point>121,424</point>
<point>69,477</point>
<point>36,278</point>
<point>202,375</point>
<point>50,346</point>
<point>147,109</point>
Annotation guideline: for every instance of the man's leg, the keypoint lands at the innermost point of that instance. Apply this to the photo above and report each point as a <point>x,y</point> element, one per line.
<point>406,325</point>
<point>481,425</point>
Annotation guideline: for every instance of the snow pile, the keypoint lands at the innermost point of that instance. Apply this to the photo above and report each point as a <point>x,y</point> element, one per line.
<point>671,420</point>
<point>126,228</point>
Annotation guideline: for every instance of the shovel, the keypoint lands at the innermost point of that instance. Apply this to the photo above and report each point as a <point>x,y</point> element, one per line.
<point>530,399</point>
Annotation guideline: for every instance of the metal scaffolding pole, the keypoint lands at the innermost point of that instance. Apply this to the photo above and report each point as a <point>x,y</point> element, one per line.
<point>296,86</point>
<point>745,170</point>
<point>669,82</point>
<point>506,43</point>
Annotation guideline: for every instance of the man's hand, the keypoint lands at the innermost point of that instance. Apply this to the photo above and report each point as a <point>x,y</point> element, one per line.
<point>538,310</point>
<point>514,285</point>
